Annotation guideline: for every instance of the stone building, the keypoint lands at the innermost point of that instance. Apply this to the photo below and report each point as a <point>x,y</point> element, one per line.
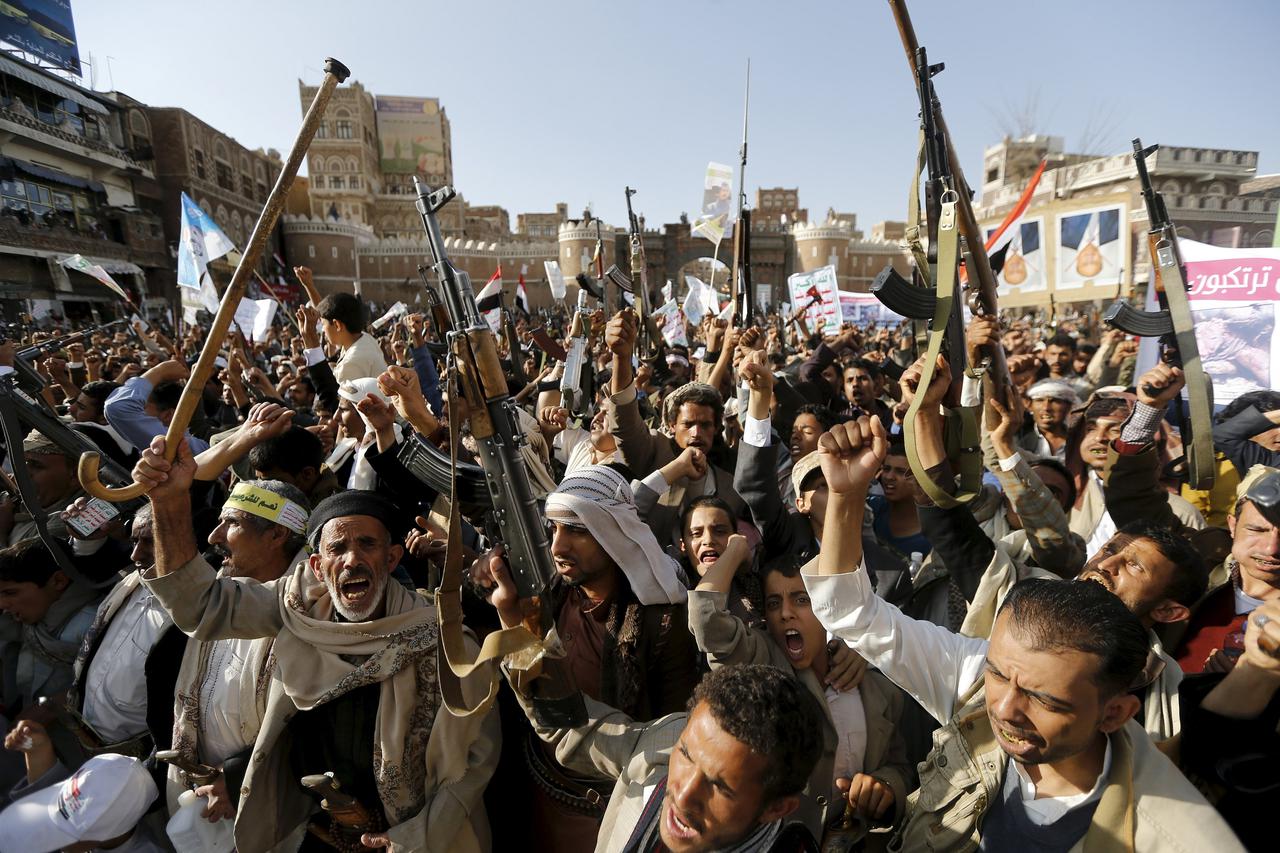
<point>75,178</point>
<point>376,234</point>
<point>1212,196</point>
<point>778,207</point>
<point>544,225</point>
<point>837,242</point>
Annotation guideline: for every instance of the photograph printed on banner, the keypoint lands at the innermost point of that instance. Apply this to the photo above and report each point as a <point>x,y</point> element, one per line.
<point>1019,263</point>
<point>1091,247</point>
<point>717,211</point>
<point>1235,346</point>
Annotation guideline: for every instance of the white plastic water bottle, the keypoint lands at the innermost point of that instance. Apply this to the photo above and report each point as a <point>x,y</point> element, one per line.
<point>191,833</point>
<point>917,562</point>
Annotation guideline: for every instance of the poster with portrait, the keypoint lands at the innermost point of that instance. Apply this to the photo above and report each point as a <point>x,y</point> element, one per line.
<point>1234,294</point>
<point>717,210</point>
<point>1021,260</point>
<point>1091,247</point>
<point>864,310</point>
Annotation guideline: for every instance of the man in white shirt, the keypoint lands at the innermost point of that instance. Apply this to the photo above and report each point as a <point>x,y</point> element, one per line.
<point>221,688</point>
<point>129,658</point>
<point>1038,749</point>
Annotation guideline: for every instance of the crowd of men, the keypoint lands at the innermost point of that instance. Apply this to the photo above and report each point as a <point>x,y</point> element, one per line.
<point>782,643</point>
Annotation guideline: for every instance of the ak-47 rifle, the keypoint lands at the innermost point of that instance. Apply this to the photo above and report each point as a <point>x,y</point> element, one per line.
<point>1173,326</point>
<point>949,216</point>
<point>605,302</point>
<point>476,378</point>
<point>513,345</point>
<point>650,339</point>
<point>571,380</point>
<point>743,299</point>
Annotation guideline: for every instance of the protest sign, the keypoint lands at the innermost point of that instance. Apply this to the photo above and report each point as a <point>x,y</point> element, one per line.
<point>555,278</point>
<point>823,315</point>
<point>670,320</point>
<point>717,212</point>
<point>1234,294</point>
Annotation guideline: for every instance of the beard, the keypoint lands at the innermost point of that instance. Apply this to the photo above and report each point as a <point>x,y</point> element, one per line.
<point>372,598</point>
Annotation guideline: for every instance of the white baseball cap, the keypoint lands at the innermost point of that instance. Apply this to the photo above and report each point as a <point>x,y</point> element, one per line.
<point>102,801</point>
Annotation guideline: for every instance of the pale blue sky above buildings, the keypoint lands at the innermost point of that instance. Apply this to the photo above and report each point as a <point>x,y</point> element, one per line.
<point>571,101</point>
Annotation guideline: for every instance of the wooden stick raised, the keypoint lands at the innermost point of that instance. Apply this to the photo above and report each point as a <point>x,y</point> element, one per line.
<point>334,73</point>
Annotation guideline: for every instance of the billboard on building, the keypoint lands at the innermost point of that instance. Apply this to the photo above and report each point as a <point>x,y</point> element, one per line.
<point>1023,269</point>
<point>410,136</point>
<point>43,28</point>
<point>1091,247</point>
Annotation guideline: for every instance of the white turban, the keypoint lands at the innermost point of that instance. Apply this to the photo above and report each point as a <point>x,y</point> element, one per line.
<point>599,498</point>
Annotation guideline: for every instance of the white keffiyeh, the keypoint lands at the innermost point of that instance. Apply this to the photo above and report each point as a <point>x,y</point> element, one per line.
<point>599,498</point>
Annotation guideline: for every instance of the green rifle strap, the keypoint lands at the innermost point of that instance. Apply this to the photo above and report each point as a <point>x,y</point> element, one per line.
<point>912,233</point>
<point>1201,460</point>
<point>961,437</point>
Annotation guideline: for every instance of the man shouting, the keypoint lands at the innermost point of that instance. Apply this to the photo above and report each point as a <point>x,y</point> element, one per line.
<point>354,692</point>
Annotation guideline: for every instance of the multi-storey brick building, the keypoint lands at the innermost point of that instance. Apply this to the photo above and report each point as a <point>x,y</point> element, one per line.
<point>75,178</point>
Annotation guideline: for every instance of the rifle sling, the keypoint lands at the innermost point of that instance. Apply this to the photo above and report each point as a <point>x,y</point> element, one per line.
<point>912,233</point>
<point>1201,461</point>
<point>453,661</point>
<point>961,426</point>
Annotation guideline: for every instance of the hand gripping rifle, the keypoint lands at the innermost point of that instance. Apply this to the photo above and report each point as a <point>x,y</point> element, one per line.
<point>571,380</point>
<point>476,378</point>
<point>949,216</point>
<point>192,395</point>
<point>650,339</point>
<point>1173,326</point>
<point>605,302</point>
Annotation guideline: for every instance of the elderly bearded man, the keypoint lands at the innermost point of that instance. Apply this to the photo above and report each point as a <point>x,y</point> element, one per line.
<point>354,691</point>
<point>1038,749</point>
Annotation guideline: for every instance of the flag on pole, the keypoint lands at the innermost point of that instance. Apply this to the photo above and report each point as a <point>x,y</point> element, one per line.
<point>200,241</point>
<point>82,264</point>
<point>522,295</point>
<point>489,300</point>
<point>998,243</point>
<point>490,296</point>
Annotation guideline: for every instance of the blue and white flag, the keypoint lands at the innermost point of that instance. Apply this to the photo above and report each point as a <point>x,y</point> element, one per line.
<point>199,241</point>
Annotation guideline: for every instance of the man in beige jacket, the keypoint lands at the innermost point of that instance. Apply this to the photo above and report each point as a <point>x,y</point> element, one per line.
<point>1038,747</point>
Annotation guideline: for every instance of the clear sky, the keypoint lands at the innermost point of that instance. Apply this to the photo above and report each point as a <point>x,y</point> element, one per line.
<point>569,101</point>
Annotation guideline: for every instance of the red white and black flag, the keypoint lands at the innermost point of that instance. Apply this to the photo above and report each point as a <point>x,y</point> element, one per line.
<point>998,241</point>
<point>490,296</point>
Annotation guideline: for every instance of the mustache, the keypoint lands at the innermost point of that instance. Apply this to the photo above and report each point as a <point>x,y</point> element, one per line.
<point>360,572</point>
